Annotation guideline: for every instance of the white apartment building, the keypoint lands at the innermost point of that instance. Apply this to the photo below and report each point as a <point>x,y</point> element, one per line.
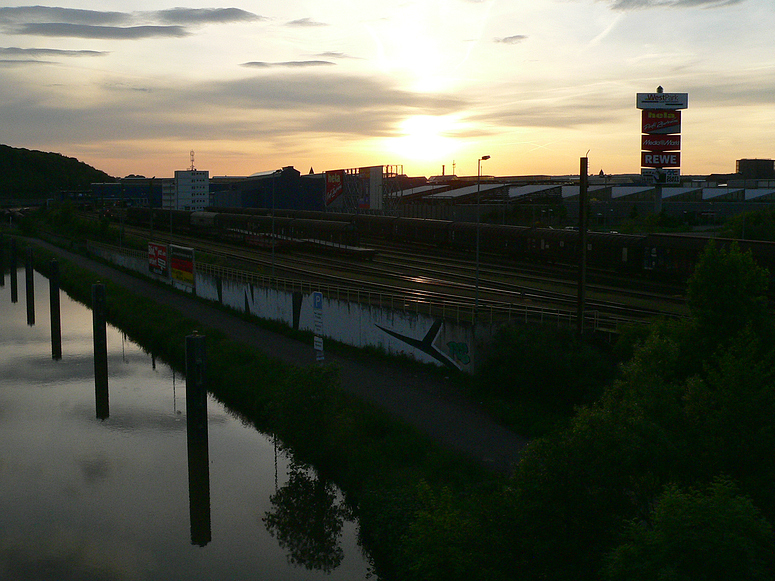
<point>189,191</point>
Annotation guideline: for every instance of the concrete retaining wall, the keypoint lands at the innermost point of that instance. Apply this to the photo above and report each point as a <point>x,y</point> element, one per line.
<point>418,336</point>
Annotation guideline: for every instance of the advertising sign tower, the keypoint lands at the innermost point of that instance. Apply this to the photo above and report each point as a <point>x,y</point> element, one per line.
<point>660,157</point>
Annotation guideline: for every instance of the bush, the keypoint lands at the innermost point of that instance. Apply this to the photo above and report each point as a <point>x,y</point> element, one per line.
<point>544,365</point>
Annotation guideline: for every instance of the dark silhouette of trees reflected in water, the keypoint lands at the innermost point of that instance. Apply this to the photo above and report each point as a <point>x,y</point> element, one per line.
<point>307,520</point>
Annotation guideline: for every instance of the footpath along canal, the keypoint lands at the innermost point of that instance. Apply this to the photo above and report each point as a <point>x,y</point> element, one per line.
<point>420,398</point>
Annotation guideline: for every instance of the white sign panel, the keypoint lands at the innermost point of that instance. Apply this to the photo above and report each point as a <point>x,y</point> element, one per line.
<point>661,176</point>
<point>317,315</point>
<point>663,100</point>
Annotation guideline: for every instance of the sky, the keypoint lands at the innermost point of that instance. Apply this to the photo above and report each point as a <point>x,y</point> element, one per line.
<point>430,86</point>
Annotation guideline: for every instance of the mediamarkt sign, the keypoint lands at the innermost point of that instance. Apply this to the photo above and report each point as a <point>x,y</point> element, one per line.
<point>663,100</point>
<point>660,142</point>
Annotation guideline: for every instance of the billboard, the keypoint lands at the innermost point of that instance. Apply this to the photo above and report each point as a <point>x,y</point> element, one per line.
<point>660,159</point>
<point>334,185</point>
<point>660,122</point>
<point>660,142</point>
<point>662,100</point>
<point>157,259</point>
<point>182,265</point>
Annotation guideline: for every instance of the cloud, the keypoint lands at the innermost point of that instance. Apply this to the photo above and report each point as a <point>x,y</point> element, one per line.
<point>289,64</point>
<point>305,22</point>
<point>336,55</point>
<point>204,15</point>
<point>516,39</point>
<point>46,14</point>
<point>645,4</point>
<point>272,106</point>
<point>101,32</point>
<point>46,52</point>
<point>69,22</point>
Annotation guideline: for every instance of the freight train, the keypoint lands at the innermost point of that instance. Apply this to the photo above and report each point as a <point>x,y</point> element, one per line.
<point>664,256</point>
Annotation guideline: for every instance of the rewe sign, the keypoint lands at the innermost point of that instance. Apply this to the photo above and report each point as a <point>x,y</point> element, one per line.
<point>660,159</point>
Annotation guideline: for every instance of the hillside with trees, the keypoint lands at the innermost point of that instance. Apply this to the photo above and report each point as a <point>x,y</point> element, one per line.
<point>26,173</point>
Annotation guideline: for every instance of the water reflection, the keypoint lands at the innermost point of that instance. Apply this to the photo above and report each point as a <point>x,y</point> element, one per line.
<point>131,497</point>
<point>196,431</point>
<point>29,287</point>
<point>307,520</point>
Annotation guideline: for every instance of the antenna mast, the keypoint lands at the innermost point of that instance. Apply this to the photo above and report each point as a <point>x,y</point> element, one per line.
<point>192,160</point>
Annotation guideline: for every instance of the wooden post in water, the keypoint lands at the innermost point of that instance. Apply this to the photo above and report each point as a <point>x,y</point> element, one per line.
<point>29,277</point>
<point>56,323</point>
<point>197,438</point>
<point>14,268</point>
<point>99,319</point>
<point>2,260</point>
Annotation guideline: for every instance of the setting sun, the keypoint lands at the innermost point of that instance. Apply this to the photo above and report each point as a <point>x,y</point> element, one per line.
<point>426,138</point>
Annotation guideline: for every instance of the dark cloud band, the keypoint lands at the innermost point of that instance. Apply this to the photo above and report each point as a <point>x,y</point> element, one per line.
<point>101,32</point>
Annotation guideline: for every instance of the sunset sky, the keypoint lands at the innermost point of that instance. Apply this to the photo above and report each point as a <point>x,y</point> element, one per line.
<point>132,87</point>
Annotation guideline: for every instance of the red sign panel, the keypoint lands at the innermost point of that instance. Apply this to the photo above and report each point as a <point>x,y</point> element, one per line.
<point>334,185</point>
<point>660,142</point>
<point>157,258</point>
<point>660,159</point>
<point>661,122</point>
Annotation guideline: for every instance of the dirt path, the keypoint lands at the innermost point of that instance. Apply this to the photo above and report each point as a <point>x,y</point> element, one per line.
<point>422,399</point>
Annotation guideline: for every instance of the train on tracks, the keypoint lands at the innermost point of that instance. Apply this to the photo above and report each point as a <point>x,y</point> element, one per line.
<point>661,256</point>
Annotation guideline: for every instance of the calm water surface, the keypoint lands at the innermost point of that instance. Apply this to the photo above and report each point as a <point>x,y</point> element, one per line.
<point>109,499</point>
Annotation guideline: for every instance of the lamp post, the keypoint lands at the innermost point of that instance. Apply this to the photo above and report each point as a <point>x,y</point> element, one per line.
<point>478,188</point>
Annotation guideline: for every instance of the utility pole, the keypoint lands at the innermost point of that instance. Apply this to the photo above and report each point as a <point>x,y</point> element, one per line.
<point>583,181</point>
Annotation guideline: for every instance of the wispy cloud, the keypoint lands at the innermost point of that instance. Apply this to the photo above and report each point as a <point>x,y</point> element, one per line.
<point>305,22</point>
<point>515,39</point>
<point>645,4</point>
<point>289,64</point>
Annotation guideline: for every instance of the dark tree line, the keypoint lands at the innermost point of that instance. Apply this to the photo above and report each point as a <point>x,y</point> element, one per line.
<point>27,173</point>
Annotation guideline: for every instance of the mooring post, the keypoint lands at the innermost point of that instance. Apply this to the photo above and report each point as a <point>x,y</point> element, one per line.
<point>197,438</point>
<point>2,260</point>
<point>30,287</point>
<point>14,268</point>
<point>99,319</point>
<point>56,323</point>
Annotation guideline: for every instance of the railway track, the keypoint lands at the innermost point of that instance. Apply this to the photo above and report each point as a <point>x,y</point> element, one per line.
<point>437,280</point>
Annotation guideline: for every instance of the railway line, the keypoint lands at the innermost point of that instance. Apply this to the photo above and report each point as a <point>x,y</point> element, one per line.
<point>434,279</point>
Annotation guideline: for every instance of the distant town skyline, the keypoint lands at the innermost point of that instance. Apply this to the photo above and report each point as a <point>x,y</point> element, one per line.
<point>132,87</point>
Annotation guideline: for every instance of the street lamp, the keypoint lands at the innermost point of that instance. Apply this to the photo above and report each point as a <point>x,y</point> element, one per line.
<point>478,188</point>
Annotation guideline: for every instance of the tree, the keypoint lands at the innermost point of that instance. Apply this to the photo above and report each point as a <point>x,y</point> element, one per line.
<point>727,292</point>
<point>693,535</point>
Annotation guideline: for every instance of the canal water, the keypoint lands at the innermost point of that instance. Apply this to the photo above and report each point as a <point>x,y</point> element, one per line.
<point>117,489</point>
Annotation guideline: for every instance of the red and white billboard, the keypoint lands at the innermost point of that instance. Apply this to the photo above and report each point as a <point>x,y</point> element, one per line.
<point>334,185</point>
<point>157,258</point>
<point>660,142</point>
<point>660,159</point>
<point>660,122</point>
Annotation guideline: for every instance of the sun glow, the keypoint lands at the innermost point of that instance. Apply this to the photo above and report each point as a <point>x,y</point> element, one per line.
<point>426,138</point>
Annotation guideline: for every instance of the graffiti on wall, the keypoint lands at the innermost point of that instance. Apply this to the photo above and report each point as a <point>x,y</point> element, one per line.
<point>459,351</point>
